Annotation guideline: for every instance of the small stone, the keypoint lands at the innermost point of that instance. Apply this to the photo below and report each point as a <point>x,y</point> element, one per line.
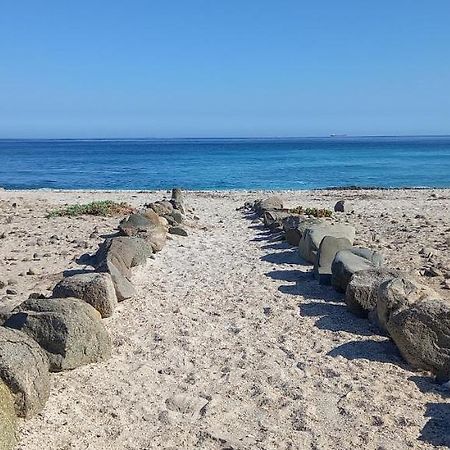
<point>178,231</point>
<point>427,252</point>
<point>11,291</point>
<point>31,272</point>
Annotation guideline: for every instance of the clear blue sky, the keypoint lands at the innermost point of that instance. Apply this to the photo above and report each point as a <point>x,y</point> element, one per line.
<point>150,68</point>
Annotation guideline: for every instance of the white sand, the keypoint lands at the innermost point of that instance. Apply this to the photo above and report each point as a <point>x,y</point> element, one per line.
<point>228,322</point>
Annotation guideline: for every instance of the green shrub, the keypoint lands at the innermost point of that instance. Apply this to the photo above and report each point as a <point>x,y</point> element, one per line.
<point>315,212</point>
<point>97,208</point>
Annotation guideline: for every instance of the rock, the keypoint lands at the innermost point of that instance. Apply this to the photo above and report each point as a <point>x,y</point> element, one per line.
<point>31,272</point>
<point>178,231</point>
<point>2,284</point>
<point>97,289</point>
<point>347,262</point>
<point>328,248</point>
<point>313,235</point>
<point>8,419</point>
<point>117,256</point>
<point>274,218</point>
<point>362,291</point>
<point>177,216</point>
<point>24,369</point>
<point>294,227</point>
<point>161,208</point>
<point>427,252</point>
<point>272,203</point>
<point>399,293</point>
<point>341,206</point>
<point>68,329</point>
<point>140,226</point>
<point>178,200</point>
<point>11,291</point>
<point>421,332</point>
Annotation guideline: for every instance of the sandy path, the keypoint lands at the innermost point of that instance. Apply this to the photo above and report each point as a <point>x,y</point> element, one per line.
<point>229,319</point>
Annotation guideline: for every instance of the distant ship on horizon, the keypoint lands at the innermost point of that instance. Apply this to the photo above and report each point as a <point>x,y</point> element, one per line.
<point>338,135</point>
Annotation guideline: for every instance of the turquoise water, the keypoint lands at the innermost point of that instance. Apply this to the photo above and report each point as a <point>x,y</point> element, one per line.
<point>225,163</point>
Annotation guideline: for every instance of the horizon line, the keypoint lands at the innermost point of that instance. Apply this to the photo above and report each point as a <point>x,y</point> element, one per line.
<point>330,136</point>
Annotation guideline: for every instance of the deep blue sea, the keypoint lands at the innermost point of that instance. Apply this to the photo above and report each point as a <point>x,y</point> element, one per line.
<point>225,163</point>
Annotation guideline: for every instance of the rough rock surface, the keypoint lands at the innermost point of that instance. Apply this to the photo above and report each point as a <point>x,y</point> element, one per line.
<point>177,200</point>
<point>180,231</point>
<point>328,248</point>
<point>294,227</point>
<point>97,289</point>
<point>8,419</point>
<point>24,369</point>
<point>348,262</point>
<point>399,293</point>
<point>313,235</point>
<point>68,329</point>
<point>140,226</point>
<point>421,332</point>
<point>362,291</point>
<point>273,203</point>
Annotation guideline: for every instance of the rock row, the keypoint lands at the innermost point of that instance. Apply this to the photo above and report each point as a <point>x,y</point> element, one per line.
<point>65,331</point>
<point>413,315</point>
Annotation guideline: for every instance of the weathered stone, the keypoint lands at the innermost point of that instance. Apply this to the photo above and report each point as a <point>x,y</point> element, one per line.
<point>97,289</point>
<point>328,248</point>
<point>347,262</point>
<point>274,218</point>
<point>273,203</point>
<point>69,330</point>
<point>313,235</point>
<point>8,419</point>
<point>24,369</point>
<point>398,293</point>
<point>178,200</point>
<point>342,206</point>
<point>295,225</point>
<point>362,291</point>
<point>140,226</point>
<point>161,208</point>
<point>177,216</point>
<point>178,231</point>
<point>421,332</point>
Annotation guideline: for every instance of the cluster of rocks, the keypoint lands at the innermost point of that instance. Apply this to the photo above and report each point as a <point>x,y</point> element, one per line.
<point>413,315</point>
<point>65,330</point>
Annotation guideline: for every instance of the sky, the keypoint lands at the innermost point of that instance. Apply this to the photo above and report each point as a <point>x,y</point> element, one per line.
<point>204,68</point>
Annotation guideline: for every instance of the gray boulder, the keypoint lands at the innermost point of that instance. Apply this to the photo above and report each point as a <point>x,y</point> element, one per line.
<point>271,203</point>
<point>177,200</point>
<point>399,293</point>
<point>142,227</point>
<point>342,206</point>
<point>24,369</point>
<point>348,262</point>
<point>97,289</point>
<point>295,225</point>
<point>421,332</point>
<point>8,419</point>
<point>177,216</point>
<point>274,218</point>
<point>117,256</point>
<point>180,231</point>
<point>161,208</point>
<point>328,248</point>
<point>362,291</point>
<point>313,235</point>
<point>69,330</point>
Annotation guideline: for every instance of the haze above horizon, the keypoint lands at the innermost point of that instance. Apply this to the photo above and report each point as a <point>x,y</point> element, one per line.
<point>254,69</point>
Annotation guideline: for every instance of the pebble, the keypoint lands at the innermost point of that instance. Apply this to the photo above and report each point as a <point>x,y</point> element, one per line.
<point>11,291</point>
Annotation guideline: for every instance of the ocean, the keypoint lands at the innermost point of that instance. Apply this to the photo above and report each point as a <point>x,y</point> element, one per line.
<point>197,164</point>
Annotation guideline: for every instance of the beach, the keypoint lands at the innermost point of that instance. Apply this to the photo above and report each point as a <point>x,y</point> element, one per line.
<point>230,343</point>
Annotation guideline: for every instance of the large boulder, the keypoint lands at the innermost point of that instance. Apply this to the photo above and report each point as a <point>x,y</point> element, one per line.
<point>348,262</point>
<point>362,291</point>
<point>328,248</point>
<point>274,218</point>
<point>117,256</point>
<point>24,369</point>
<point>177,200</point>
<point>8,419</point>
<point>313,235</point>
<point>295,225</point>
<point>69,330</point>
<point>421,332</point>
<point>97,289</point>
<point>272,203</point>
<point>161,208</point>
<point>398,293</point>
<point>140,226</point>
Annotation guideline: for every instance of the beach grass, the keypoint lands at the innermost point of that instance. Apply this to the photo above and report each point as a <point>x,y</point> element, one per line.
<point>103,208</point>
